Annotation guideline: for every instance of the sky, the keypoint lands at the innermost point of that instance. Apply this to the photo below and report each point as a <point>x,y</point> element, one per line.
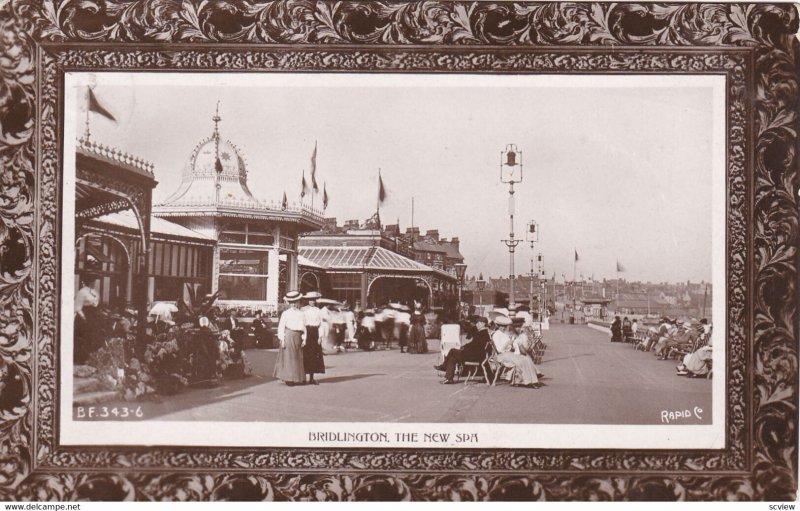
<point>615,170</point>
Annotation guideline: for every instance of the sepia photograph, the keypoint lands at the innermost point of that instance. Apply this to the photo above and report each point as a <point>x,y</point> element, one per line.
<point>398,251</point>
<point>369,252</point>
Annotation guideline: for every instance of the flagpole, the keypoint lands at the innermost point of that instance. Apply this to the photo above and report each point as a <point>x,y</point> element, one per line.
<point>87,133</point>
<point>378,208</point>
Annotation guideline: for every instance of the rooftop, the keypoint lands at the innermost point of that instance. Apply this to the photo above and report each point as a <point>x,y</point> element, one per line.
<point>160,226</point>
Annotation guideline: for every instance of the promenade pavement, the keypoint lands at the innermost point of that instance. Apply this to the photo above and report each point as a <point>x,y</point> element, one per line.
<point>588,380</point>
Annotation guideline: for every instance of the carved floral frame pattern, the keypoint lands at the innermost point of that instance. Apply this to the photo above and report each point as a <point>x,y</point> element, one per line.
<point>752,45</point>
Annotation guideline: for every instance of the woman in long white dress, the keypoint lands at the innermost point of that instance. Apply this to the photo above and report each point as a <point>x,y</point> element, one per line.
<point>524,370</point>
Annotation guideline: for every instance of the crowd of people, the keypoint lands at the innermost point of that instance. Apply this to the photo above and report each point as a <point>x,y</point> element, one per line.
<point>687,339</point>
<point>310,321</point>
<point>310,325</point>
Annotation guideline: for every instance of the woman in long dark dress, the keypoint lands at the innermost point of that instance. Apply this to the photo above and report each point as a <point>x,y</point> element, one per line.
<point>312,351</point>
<point>417,340</point>
<point>616,330</point>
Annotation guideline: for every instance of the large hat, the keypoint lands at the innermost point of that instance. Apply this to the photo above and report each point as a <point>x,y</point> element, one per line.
<point>327,301</point>
<point>292,296</point>
<point>312,295</point>
<point>493,315</point>
<point>502,320</point>
<point>481,319</point>
<point>394,305</point>
<point>518,320</point>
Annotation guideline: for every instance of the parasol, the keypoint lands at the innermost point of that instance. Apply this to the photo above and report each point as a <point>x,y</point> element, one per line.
<point>163,310</point>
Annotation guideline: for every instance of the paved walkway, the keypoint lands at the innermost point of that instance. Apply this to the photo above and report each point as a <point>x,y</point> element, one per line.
<point>588,381</point>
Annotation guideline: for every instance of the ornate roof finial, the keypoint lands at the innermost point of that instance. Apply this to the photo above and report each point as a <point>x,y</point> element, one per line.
<point>216,120</point>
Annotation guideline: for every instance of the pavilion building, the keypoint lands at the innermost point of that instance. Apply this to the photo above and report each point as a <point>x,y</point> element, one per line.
<point>255,257</point>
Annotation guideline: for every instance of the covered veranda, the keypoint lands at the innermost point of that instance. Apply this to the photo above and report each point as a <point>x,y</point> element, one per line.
<point>374,275</point>
<point>109,181</point>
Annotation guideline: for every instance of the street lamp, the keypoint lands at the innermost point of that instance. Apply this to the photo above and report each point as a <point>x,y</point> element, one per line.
<point>481,286</point>
<point>461,270</point>
<point>511,172</point>
<point>532,235</point>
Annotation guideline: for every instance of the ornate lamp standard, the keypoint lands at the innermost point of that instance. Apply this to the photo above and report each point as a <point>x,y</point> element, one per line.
<point>481,286</point>
<point>511,172</point>
<point>532,236</point>
<point>461,270</point>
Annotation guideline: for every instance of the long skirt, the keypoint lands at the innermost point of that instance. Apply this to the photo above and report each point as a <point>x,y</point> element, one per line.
<point>402,331</point>
<point>417,341</point>
<point>289,366</point>
<point>312,352</point>
<point>365,338</point>
<point>524,370</point>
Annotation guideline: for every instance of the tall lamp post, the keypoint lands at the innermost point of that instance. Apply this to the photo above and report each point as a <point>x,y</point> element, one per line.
<point>532,235</point>
<point>461,270</point>
<point>511,172</point>
<point>481,286</point>
<point>543,302</point>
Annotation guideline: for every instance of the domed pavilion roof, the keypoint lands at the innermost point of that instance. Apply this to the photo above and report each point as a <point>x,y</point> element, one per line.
<point>214,183</point>
<point>213,162</point>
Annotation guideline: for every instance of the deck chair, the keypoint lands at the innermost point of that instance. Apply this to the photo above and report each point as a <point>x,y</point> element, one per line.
<point>472,368</point>
<point>450,338</point>
<point>500,369</point>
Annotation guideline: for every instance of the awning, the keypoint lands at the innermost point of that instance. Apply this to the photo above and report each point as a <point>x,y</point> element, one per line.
<point>365,258</point>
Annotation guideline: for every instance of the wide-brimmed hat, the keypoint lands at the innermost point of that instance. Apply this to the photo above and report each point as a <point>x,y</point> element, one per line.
<point>481,319</point>
<point>493,315</point>
<point>327,301</point>
<point>312,295</point>
<point>517,321</point>
<point>292,296</point>
<point>502,320</point>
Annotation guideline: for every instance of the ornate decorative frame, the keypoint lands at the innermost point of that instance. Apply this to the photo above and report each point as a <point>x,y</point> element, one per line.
<point>752,45</point>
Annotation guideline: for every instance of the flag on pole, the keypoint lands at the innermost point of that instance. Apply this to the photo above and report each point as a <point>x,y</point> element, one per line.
<point>96,107</point>
<point>284,202</point>
<point>620,268</point>
<point>314,169</point>
<point>324,196</point>
<point>576,255</point>
<point>303,185</point>
<point>381,189</point>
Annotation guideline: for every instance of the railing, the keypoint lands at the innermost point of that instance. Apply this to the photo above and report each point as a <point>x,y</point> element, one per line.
<point>115,154</point>
<point>254,204</point>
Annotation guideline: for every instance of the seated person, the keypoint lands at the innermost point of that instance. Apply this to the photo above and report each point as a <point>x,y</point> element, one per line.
<point>523,344</point>
<point>524,370</point>
<point>473,351</point>
<point>650,338</point>
<point>697,363</point>
<point>683,335</point>
<point>666,330</point>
